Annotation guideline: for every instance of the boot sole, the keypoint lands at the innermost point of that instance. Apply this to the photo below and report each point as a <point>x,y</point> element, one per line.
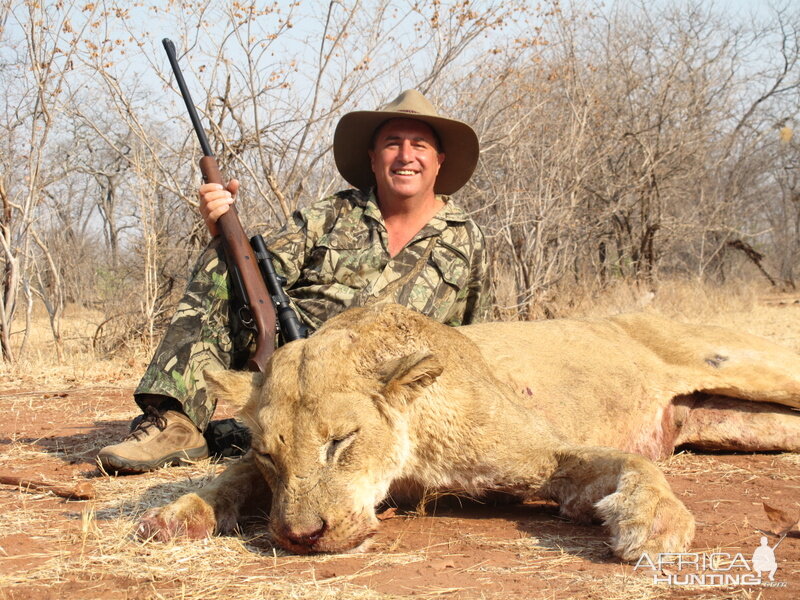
<point>119,464</point>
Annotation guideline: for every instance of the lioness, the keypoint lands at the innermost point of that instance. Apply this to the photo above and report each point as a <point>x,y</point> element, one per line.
<point>383,401</point>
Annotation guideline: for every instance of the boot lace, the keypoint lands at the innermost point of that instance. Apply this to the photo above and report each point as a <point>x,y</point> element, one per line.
<point>152,418</point>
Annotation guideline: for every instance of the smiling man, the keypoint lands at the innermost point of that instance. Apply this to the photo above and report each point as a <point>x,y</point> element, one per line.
<point>405,159</point>
<point>395,237</point>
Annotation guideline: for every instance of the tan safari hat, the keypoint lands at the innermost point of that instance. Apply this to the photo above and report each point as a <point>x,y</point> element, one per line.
<point>353,138</point>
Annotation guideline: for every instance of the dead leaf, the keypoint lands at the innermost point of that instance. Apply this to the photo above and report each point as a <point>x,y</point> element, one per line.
<point>783,522</point>
<point>440,564</point>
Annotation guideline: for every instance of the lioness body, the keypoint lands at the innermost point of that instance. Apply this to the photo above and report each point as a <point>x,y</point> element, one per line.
<point>384,401</point>
<point>632,381</point>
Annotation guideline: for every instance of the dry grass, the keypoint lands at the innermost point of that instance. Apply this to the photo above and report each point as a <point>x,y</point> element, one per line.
<point>709,465</point>
<point>82,366</point>
<point>99,544</point>
<point>752,307</point>
<point>678,299</point>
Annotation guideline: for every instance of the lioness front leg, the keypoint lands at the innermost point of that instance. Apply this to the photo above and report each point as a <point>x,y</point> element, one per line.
<point>213,508</point>
<point>628,493</point>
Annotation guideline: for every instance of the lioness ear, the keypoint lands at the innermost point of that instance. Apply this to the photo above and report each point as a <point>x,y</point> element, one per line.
<point>403,376</point>
<point>234,387</point>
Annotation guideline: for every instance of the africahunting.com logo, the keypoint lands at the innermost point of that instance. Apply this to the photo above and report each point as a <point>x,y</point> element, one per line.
<point>714,568</point>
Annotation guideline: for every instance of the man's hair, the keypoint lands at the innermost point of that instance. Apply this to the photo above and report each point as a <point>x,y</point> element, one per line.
<point>436,140</point>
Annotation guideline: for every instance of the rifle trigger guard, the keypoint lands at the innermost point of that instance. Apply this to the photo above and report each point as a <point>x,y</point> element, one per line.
<point>246,317</point>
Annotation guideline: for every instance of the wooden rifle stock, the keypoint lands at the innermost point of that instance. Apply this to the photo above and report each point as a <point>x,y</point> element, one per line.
<point>239,252</point>
<point>242,266</point>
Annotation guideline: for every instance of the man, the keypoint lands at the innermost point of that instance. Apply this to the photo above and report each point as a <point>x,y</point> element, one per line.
<point>395,237</point>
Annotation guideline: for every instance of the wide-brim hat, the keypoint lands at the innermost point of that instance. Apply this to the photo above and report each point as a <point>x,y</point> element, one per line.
<point>353,139</point>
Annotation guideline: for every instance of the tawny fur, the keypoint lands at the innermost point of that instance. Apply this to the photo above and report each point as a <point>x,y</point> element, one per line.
<point>381,401</point>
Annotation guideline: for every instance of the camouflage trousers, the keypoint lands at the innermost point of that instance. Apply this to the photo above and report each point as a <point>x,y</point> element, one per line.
<point>205,333</point>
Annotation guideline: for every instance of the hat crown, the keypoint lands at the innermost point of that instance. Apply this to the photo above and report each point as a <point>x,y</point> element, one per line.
<point>411,102</point>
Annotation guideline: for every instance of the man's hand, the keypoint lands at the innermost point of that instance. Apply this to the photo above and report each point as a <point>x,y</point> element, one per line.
<point>215,202</point>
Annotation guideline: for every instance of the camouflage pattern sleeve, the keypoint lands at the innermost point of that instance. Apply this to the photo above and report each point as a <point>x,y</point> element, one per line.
<point>479,298</point>
<point>293,242</point>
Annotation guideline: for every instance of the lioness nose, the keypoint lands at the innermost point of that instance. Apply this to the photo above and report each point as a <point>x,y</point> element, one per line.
<point>305,538</point>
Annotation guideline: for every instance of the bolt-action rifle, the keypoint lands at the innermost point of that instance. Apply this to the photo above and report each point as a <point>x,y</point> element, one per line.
<point>253,277</point>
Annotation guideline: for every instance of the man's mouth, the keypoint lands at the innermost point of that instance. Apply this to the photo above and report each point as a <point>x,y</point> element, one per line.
<point>404,172</point>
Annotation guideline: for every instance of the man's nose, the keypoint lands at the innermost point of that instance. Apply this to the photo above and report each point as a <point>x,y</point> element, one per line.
<point>405,151</point>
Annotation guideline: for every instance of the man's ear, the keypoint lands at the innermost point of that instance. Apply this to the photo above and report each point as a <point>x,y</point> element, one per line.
<point>371,154</point>
<point>404,377</point>
<point>236,388</point>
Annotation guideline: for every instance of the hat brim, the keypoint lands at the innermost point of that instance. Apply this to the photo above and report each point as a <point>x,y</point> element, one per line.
<point>353,138</point>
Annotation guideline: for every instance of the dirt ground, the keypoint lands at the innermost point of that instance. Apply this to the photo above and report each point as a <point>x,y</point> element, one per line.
<point>53,547</point>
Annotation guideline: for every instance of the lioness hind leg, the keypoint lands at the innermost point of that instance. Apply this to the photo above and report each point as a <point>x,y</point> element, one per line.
<point>720,423</point>
<point>628,493</point>
<point>214,508</point>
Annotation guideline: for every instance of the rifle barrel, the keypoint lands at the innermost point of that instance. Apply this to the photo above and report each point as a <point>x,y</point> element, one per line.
<point>187,97</point>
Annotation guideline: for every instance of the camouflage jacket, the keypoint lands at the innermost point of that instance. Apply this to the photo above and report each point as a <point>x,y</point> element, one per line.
<point>334,256</point>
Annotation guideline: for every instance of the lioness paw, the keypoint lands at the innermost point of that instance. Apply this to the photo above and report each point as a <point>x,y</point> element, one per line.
<point>189,516</point>
<point>652,521</point>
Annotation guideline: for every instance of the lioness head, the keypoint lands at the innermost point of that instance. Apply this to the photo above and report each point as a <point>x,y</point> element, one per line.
<point>328,424</point>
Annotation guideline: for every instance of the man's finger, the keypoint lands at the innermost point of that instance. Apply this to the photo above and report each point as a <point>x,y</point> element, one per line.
<point>215,214</point>
<point>210,187</point>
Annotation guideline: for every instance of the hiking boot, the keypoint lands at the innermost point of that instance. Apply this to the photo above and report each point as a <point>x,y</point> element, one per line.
<point>158,439</point>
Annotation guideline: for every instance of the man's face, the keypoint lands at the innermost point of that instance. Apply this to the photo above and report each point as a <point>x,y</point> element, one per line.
<point>405,159</point>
